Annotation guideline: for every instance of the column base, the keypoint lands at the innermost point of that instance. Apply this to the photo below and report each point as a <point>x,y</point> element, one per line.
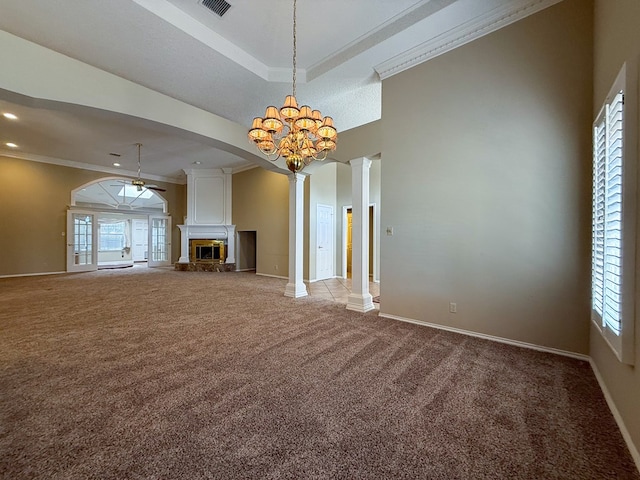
<point>295,290</point>
<point>360,303</point>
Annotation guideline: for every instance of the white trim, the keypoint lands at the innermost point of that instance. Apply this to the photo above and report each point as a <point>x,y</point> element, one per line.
<point>468,32</point>
<point>332,242</point>
<point>621,342</point>
<point>86,166</point>
<point>516,343</point>
<point>31,274</point>
<point>635,454</point>
<point>616,415</point>
<point>140,211</point>
<point>272,276</point>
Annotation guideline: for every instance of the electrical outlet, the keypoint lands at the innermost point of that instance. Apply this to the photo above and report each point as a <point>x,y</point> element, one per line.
<point>390,231</point>
<point>453,308</point>
<point>275,267</point>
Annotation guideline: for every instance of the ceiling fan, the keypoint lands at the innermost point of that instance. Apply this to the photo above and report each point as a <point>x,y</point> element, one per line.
<point>139,183</point>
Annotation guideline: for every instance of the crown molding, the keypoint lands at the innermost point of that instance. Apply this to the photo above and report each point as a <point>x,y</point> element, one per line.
<point>86,166</point>
<point>465,33</point>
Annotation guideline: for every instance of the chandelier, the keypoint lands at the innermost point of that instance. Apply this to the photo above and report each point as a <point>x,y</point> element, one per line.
<point>298,134</point>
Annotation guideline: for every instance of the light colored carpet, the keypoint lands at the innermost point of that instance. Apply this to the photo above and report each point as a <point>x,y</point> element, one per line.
<point>156,374</point>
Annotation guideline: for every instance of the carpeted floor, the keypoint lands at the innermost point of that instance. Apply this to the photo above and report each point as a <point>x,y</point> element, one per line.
<point>156,374</point>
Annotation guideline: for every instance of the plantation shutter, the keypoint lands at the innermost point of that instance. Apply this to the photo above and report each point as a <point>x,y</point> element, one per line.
<point>598,235</point>
<point>611,314</point>
<point>613,225</point>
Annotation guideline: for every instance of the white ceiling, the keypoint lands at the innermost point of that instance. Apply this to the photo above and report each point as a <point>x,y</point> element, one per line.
<point>232,66</point>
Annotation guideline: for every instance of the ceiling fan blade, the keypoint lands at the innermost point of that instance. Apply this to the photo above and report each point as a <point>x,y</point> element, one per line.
<point>153,187</point>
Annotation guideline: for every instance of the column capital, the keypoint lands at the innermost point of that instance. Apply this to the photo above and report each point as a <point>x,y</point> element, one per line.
<point>360,162</point>
<point>297,177</point>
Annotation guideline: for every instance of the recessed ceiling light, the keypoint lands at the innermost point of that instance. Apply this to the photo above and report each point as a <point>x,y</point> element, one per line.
<point>10,116</point>
<point>197,162</point>
<point>12,145</point>
<point>116,164</point>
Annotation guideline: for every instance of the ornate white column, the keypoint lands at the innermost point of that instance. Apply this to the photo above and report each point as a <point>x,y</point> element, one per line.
<point>296,287</point>
<point>360,300</point>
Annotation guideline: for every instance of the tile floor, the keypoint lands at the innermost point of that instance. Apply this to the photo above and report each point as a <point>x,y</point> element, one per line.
<point>338,289</point>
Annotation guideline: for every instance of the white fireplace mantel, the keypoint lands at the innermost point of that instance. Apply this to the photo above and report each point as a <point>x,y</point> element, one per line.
<point>208,211</point>
<point>209,232</point>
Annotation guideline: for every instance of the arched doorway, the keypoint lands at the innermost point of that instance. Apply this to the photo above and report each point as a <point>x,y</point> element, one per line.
<point>111,223</point>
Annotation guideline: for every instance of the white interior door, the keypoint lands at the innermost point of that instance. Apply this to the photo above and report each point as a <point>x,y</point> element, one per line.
<point>159,241</point>
<point>140,242</point>
<point>324,233</point>
<point>82,237</point>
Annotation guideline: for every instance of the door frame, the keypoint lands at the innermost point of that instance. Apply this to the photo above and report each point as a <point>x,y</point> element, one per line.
<point>134,249</point>
<point>331,241</point>
<point>151,263</point>
<point>373,254</point>
<point>71,264</point>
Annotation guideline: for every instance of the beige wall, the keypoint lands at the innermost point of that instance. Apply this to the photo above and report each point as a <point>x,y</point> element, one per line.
<point>487,183</point>
<point>617,40</point>
<point>261,204</point>
<point>34,199</point>
<point>322,191</point>
<point>364,141</point>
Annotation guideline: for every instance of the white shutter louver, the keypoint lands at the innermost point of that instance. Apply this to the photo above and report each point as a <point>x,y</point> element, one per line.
<point>613,216</point>
<point>597,259</point>
<point>613,224</point>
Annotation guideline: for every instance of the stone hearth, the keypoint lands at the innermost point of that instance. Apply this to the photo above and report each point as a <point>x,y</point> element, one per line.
<point>205,267</point>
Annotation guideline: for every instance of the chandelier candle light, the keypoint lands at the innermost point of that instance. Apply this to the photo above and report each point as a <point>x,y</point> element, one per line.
<point>299,135</point>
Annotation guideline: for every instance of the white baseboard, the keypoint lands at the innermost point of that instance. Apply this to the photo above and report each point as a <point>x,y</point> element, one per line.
<point>272,276</point>
<point>616,414</point>
<point>612,407</point>
<point>493,338</point>
<point>31,274</point>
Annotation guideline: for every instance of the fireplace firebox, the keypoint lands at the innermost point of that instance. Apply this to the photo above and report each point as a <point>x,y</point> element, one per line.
<point>207,251</point>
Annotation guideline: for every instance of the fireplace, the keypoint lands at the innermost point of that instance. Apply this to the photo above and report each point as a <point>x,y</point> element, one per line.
<point>207,237</point>
<point>208,251</point>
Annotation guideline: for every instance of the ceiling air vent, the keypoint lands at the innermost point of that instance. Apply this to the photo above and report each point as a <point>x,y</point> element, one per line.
<point>217,6</point>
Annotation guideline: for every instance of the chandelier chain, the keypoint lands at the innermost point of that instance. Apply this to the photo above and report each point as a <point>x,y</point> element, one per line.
<point>298,134</point>
<point>294,48</point>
